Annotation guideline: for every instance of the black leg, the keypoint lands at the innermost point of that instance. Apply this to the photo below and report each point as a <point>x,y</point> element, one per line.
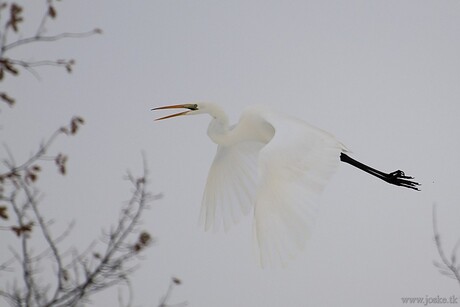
<point>397,177</point>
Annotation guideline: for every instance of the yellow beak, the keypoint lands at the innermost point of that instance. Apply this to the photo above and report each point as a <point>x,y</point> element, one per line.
<point>177,106</point>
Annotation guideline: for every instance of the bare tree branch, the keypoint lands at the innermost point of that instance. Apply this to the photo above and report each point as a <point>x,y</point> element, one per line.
<point>110,271</point>
<point>78,275</point>
<point>14,170</point>
<point>164,300</point>
<point>448,266</point>
<point>46,234</point>
<point>9,64</point>
<point>89,272</point>
<point>51,38</point>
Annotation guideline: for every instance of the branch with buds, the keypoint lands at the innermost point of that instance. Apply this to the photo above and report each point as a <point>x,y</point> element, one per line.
<point>79,275</point>
<point>12,13</point>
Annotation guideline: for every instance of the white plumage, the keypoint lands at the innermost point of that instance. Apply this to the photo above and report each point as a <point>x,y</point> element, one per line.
<point>277,165</point>
<point>274,163</point>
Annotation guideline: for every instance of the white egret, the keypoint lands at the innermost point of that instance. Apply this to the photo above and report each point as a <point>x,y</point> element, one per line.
<point>278,165</point>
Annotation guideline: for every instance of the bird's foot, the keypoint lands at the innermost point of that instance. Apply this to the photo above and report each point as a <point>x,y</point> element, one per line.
<point>399,178</point>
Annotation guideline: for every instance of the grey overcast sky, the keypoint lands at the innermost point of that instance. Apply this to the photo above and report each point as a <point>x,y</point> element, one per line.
<point>382,76</point>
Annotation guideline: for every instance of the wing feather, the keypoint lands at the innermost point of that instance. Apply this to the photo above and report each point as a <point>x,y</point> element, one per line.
<point>231,185</point>
<point>281,175</point>
<point>293,169</point>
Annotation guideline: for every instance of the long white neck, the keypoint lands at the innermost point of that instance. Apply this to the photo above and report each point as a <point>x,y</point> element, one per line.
<point>251,127</point>
<point>218,129</point>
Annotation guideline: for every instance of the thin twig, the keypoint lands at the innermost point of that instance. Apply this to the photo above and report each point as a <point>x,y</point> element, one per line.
<point>36,156</point>
<point>110,270</point>
<point>164,300</point>
<point>9,297</point>
<point>450,265</point>
<point>51,38</point>
<point>41,27</point>
<point>130,295</point>
<point>46,234</point>
<point>56,242</point>
<point>30,65</point>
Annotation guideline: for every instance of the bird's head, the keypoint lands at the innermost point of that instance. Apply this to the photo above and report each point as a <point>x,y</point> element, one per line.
<point>193,109</point>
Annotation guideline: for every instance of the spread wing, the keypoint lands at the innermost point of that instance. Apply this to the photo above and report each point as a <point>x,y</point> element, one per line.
<point>231,185</point>
<point>293,169</point>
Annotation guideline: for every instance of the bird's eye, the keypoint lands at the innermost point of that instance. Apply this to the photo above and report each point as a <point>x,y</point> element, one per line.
<point>195,106</point>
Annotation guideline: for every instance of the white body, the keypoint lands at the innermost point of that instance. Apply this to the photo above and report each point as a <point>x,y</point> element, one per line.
<point>275,163</point>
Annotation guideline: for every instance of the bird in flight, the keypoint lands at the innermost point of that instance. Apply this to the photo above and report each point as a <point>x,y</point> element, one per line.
<point>276,164</point>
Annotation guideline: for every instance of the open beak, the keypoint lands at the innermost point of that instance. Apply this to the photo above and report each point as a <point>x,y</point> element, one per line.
<point>177,106</point>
